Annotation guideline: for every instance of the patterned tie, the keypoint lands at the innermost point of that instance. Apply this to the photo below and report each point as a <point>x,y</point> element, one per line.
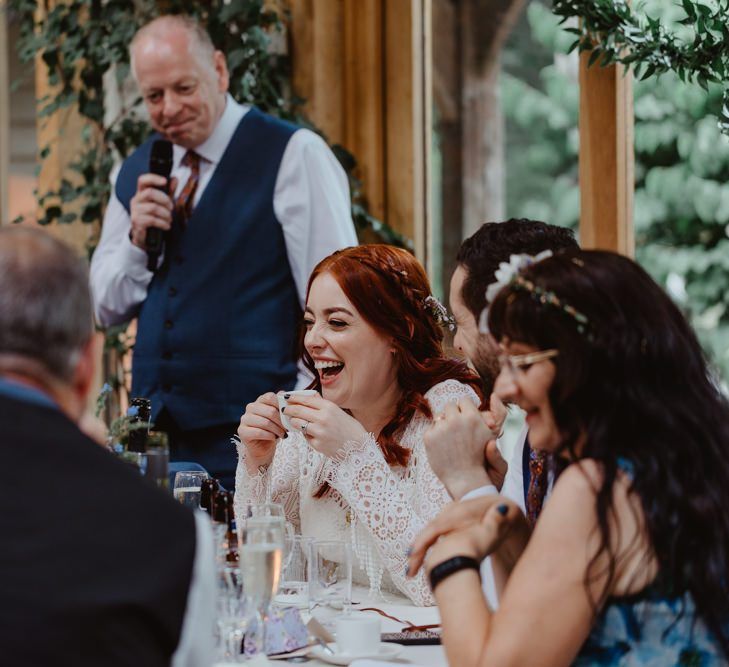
<point>538,470</point>
<point>183,203</point>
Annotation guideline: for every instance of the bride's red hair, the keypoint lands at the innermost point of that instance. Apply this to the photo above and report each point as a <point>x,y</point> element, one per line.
<point>388,287</point>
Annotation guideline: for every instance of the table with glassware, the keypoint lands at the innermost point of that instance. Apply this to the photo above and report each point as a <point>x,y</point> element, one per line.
<point>291,596</point>
<point>395,607</point>
<point>299,592</point>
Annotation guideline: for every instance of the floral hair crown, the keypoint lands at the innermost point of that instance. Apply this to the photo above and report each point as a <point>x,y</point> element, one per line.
<point>509,275</point>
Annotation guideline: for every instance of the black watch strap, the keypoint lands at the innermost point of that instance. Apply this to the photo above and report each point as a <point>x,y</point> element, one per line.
<point>451,566</point>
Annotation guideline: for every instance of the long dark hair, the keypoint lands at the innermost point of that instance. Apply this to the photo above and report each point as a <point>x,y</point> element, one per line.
<point>388,286</point>
<point>633,384</point>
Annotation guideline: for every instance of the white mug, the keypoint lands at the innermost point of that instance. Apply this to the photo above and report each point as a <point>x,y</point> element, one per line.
<point>358,633</point>
<point>282,403</point>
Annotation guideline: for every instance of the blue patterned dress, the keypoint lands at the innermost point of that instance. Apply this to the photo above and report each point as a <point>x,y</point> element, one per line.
<point>652,628</point>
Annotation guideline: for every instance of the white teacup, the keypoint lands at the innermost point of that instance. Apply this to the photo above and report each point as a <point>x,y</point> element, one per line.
<point>358,633</point>
<point>282,403</point>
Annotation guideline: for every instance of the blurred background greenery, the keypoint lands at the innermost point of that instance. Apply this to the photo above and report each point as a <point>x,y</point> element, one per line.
<point>681,165</point>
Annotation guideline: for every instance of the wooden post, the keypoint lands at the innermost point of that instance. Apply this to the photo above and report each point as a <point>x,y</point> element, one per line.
<point>606,158</point>
<point>363,68</point>
<point>4,116</point>
<point>408,111</point>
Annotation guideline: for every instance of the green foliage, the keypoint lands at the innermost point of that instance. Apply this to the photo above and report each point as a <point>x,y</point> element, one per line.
<point>84,45</point>
<point>695,48</point>
<point>681,168</point>
<point>540,101</point>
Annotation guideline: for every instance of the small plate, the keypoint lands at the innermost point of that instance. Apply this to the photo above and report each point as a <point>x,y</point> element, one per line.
<point>385,651</point>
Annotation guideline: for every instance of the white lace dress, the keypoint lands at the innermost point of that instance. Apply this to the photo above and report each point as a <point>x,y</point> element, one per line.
<point>377,507</point>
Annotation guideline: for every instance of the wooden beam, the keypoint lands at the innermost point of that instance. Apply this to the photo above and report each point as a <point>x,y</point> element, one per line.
<point>4,115</point>
<point>363,108</point>
<point>408,120</point>
<point>363,68</point>
<point>606,158</point>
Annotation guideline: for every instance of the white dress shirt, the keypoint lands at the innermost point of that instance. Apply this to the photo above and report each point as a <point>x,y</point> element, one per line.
<point>513,489</point>
<point>311,202</point>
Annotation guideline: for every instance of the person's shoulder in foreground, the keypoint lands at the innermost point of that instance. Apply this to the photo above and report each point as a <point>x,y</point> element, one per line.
<point>108,569</point>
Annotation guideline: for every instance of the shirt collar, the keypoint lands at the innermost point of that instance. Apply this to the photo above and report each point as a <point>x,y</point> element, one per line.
<point>214,146</point>
<point>25,393</point>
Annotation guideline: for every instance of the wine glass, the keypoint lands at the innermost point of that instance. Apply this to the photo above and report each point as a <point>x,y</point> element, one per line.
<point>261,540</point>
<point>330,580</point>
<point>187,487</point>
<point>234,615</point>
<point>294,574</point>
<point>256,510</point>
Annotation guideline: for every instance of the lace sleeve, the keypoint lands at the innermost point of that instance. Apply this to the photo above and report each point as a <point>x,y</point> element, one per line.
<point>394,504</point>
<point>278,484</point>
<point>450,391</point>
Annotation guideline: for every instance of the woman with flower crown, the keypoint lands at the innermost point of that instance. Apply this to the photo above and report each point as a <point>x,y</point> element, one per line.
<point>354,466</point>
<point>628,563</point>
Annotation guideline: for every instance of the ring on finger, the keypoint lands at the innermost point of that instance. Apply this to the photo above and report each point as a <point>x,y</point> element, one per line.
<point>304,426</point>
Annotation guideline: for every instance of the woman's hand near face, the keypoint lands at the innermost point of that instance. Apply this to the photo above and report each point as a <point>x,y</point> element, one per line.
<point>327,426</point>
<point>457,448</point>
<point>260,428</point>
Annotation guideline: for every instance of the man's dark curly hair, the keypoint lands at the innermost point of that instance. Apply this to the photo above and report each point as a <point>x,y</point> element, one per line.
<point>481,253</point>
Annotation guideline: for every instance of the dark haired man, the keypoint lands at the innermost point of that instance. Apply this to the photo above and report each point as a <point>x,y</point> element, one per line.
<point>477,261</point>
<point>97,567</point>
<point>461,449</point>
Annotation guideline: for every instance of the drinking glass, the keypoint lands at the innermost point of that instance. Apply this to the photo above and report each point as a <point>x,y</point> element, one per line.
<point>294,589</point>
<point>330,580</point>
<point>263,510</point>
<point>233,615</point>
<point>257,510</point>
<point>158,458</point>
<point>261,540</point>
<point>187,487</point>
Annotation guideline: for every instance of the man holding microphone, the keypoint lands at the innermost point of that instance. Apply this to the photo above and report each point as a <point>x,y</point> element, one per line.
<point>252,204</point>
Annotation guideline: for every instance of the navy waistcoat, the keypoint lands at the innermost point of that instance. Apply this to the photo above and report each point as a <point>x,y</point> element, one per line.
<point>219,324</point>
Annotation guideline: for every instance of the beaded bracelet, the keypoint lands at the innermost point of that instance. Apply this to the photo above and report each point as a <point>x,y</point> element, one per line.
<point>451,566</point>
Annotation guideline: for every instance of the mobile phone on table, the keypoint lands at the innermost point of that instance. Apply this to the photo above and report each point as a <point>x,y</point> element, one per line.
<point>415,638</point>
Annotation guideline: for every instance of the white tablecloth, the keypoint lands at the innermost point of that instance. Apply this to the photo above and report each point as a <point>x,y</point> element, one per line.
<point>400,607</point>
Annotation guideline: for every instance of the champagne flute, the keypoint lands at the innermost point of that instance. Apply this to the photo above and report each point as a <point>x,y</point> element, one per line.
<point>261,551</point>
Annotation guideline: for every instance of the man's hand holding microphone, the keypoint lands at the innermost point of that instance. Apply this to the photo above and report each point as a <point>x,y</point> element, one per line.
<point>151,208</point>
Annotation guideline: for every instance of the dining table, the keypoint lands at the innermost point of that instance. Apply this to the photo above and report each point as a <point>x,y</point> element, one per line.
<point>395,611</point>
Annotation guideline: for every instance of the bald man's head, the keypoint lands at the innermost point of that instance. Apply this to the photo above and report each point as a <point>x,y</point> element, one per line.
<point>45,303</point>
<point>182,78</point>
<point>174,27</point>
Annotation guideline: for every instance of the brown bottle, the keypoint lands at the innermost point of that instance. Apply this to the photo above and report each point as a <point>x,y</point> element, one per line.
<point>208,489</point>
<point>140,411</point>
<point>220,508</point>
<point>232,534</point>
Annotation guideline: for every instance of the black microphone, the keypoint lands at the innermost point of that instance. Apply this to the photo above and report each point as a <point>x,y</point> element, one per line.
<point>160,163</point>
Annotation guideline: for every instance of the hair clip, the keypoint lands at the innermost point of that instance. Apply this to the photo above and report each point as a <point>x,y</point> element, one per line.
<point>439,312</point>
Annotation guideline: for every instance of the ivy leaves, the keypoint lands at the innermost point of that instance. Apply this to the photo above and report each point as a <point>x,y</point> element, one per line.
<point>615,34</point>
<point>84,47</point>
